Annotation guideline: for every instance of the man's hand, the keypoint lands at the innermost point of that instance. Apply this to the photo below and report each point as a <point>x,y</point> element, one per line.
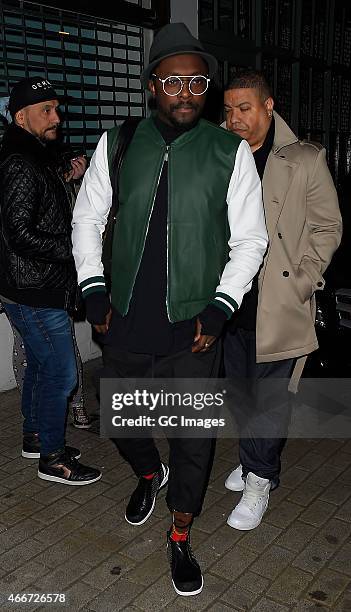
<point>201,342</point>
<point>79,166</point>
<point>103,329</point>
<point>98,311</point>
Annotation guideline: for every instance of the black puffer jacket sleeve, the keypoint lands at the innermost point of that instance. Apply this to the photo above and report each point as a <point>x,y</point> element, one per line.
<point>21,229</point>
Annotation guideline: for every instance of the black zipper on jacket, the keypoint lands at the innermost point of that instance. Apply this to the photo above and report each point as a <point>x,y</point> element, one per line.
<point>163,160</point>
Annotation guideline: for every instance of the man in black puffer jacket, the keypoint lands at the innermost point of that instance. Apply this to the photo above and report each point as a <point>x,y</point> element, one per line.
<point>38,279</point>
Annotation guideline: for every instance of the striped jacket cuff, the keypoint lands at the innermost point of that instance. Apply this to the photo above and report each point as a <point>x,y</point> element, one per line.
<point>226,303</point>
<point>93,284</point>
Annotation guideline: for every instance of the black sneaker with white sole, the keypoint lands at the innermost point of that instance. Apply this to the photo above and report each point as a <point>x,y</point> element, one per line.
<point>31,447</point>
<point>187,578</point>
<point>65,469</point>
<point>143,499</point>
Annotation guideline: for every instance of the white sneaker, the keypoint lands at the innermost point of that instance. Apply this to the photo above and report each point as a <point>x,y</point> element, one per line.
<point>253,504</point>
<point>235,480</point>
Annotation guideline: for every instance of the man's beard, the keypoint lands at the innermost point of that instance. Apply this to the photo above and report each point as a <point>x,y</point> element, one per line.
<point>45,137</point>
<point>186,124</point>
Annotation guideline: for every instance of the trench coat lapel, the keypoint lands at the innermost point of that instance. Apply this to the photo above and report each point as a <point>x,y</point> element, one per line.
<point>277,178</point>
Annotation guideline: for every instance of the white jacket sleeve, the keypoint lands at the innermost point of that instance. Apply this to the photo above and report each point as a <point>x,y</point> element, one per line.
<point>248,234</point>
<point>89,219</point>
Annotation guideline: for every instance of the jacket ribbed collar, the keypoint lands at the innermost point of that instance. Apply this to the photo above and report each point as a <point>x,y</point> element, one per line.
<point>185,137</point>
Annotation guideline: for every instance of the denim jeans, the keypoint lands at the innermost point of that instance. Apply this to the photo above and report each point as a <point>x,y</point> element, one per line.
<point>51,372</point>
<point>19,364</point>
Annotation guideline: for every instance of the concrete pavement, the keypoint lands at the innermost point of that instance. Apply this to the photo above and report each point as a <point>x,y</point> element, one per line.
<point>74,540</point>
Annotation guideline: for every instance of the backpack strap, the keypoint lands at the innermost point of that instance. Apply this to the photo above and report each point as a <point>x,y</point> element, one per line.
<point>112,142</point>
<point>118,140</point>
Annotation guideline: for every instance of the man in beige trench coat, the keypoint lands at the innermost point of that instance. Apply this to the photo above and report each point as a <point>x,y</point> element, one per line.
<point>273,331</point>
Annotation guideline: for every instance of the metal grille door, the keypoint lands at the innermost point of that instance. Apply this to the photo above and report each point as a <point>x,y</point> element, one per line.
<point>94,62</point>
<point>304,48</point>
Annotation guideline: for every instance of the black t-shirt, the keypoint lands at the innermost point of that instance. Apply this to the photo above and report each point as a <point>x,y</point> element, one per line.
<point>146,327</point>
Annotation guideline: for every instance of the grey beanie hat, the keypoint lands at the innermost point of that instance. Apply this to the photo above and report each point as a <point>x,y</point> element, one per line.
<point>175,39</point>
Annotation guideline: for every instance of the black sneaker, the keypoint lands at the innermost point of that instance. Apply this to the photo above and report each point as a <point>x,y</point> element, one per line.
<point>62,467</point>
<point>143,499</point>
<point>31,447</point>
<point>187,578</point>
<point>81,419</point>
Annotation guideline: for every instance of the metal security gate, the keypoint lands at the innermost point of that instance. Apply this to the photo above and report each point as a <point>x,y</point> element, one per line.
<point>304,48</point>
<point>93,61</point>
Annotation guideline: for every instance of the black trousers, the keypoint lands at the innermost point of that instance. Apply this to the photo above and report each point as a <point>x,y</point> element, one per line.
<point>189,459</point>
<point>263,411</point>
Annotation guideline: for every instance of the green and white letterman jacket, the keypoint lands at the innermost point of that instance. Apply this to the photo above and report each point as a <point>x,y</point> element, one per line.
<point>216,229</point>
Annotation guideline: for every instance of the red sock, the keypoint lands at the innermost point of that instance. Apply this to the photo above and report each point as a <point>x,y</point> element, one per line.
<point>179,536</point>
<point>149,476</point>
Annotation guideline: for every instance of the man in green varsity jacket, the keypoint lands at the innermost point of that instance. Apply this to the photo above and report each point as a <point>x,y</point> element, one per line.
<point>190,237</point>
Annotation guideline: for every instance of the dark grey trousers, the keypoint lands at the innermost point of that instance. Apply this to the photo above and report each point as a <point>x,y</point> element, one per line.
<point>262,410</point>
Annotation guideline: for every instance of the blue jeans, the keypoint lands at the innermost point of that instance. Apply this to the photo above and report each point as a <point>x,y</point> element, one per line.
<point>51,372</point>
